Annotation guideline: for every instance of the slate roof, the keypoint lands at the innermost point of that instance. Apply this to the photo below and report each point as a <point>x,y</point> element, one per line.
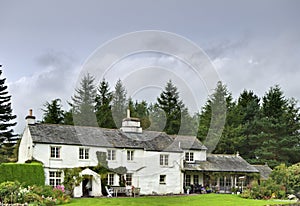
<point>101,137</point>
<point>264,171</point>
<point>221,163</point>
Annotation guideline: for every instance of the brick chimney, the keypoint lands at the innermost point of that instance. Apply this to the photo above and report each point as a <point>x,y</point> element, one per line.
<point>30,119</point>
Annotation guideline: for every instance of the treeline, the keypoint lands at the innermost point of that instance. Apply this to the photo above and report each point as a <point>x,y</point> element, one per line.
<point>262,129</point>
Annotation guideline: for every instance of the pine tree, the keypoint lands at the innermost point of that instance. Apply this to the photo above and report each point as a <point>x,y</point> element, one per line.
<point>103,106</point>
<point>279,129</point>
<point>83,102</point>
<point>213,128</point>
<point>248,116</point>
<point>172,105</point>
<point>119,103</point>
<point>7,138</point>
<point>53,112</point>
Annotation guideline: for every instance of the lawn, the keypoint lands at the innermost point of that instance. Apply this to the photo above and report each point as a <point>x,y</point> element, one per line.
<point>205,200</point>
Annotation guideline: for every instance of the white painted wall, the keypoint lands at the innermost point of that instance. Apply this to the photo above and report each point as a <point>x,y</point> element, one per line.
<point>26,147</point>
<point>145,167</point>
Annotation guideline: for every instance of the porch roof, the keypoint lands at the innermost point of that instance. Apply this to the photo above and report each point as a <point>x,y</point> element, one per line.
<point>221,163</point>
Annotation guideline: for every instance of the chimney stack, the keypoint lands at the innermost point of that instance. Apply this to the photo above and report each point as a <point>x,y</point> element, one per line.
<point>30,119</point>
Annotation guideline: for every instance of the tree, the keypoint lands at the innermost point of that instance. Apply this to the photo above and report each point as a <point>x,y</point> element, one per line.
<point>103,106</point>
<point>279,129</point>
<point>172,105</point>
<point>248,115</point>
<point>83,102</point>
<point>119,103</point>
<point>140,110</point>
<point>214,125</point>
<point>53,112</point>
<point>7,138</point>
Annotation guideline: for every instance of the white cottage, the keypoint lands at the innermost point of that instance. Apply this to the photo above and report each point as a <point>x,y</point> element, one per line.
<point>155,162</point>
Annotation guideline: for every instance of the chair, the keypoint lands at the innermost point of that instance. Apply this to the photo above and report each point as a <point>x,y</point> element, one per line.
<point>110,192</point>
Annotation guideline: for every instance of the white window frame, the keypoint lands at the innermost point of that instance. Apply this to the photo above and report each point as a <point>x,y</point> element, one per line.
<point>55,178</point>
<point>110,179</point>
<point>85,154</point>
<point>128,179</point>
<point>111,154</point>
<point>55,152</point>
<point>164,160</point>
<point>130,154</point>
<point>189,157</point>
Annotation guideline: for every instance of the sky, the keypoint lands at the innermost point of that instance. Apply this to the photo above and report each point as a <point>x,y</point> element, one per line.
<point>45,45</point>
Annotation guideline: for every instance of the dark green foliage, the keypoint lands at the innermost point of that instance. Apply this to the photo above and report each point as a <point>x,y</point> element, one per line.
<point>172,105</point>
<point>7,138</point>
<point>83,102</point>
<point>103,106</point>
<point>27,174</point>
<point>68,117</point>
<point>119,106</point>
<point>213,129</point>
<point>53,112</point>
<point>140,110</point>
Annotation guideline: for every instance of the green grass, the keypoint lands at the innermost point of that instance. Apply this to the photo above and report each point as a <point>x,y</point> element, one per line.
<point>191,200</point>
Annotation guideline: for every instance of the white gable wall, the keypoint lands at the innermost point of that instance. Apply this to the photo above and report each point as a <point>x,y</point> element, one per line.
<point>26,147</point>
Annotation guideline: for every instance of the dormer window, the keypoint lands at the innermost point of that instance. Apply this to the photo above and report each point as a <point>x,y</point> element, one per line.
<point>189,156</point>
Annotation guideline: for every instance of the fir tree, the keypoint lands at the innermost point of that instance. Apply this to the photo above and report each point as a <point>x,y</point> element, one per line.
<point>7,138</point>
<point>172,105</point>
<point>53,112</point>
<point>103,106</point>
<point>119,106</point>
<point>83,102</point>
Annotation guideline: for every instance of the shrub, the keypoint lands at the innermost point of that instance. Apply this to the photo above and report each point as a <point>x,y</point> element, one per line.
<point>13,192</point>
<point>15,172</point>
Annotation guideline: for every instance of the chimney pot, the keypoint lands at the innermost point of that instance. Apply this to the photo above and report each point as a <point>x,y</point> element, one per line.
<point>30,119</point>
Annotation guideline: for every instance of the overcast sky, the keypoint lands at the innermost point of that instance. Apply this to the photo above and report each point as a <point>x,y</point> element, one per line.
<point>44,44</point>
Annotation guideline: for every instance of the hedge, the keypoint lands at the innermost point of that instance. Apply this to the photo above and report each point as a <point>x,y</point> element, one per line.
<point>26,174</point>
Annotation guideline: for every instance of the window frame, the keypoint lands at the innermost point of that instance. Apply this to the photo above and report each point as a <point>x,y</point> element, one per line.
<point>110,179</point>
<point>130,155</point>
<point>189,157</point>
<point>55,152</point>
<point>111,155</point>
<point>85,155</point>
<point>128,179</point>
<point>55,179</point>
<point>164,160</point>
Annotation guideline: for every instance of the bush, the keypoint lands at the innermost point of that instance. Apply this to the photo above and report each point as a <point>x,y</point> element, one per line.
<point>13,192</point>
<point>15,172</point>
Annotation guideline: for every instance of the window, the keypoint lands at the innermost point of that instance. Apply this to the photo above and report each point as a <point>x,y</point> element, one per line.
<point>189,156</point>
<point>111,154</point>
<point>162,179</point>
<point>187,180</point>
<point>129,155</point>
<point>54,178</point>
<point>196,180</point>
<point>110,179</point>
<point>84,153</point>
<point>129,179</point>
<point>164,160</point>
<point>55,152</point>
